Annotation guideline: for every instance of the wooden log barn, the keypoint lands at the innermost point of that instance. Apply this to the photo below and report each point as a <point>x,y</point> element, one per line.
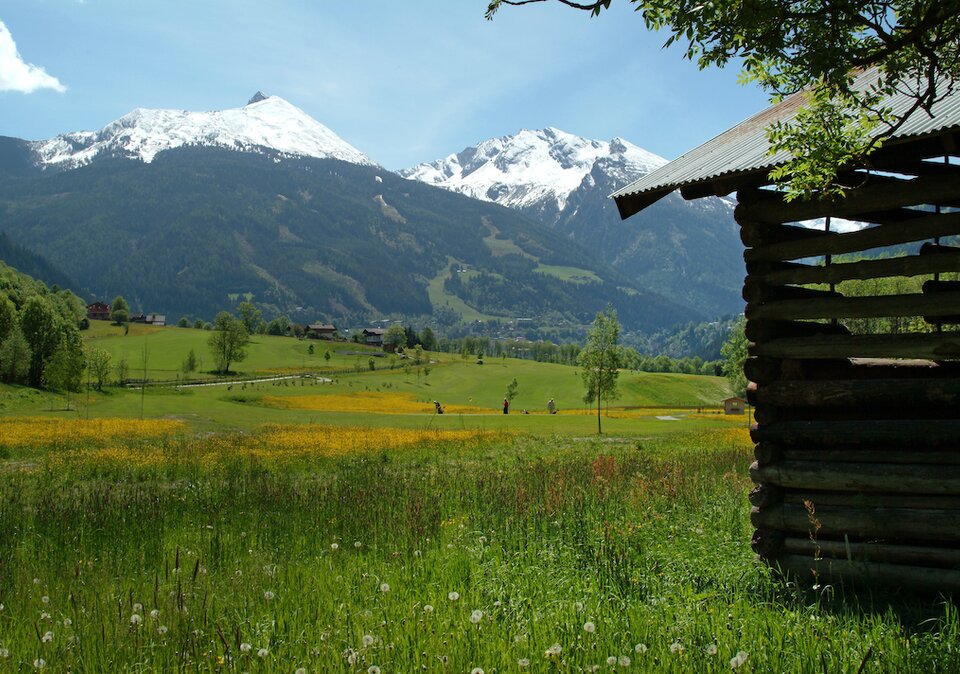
<point>857,433</point>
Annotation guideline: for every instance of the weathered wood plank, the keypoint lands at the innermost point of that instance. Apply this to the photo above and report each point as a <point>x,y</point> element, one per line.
<point>761,330</point>
<point>887,433</point>
<point>875,477</point>
<point>914,555</point>
<point>857,393</point>
<point>927,227</point>
<point>924,190</point>
<point>932,581</point>
<point>939,346</point>
<point>835,521</point>
<point>910,265</point>
<point>909,304</point>
<point>948,456</point>
<point>757,293</point>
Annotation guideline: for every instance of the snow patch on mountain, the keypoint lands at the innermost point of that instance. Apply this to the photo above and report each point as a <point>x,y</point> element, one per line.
<point>265,123</point>
<point>532,167</point>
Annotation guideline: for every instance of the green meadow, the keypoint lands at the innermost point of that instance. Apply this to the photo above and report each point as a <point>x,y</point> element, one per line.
<point>297,526</point>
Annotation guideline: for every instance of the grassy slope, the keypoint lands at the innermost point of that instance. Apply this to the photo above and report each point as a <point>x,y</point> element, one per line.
<point>451,380</point>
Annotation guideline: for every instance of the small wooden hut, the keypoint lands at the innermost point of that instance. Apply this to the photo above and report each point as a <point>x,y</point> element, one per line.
<point>856,394</point>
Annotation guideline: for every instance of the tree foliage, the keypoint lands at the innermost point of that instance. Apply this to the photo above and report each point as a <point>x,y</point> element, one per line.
<point>119,310</point>
<point>734,353</point>
<point>98,365</point>
<point>228,341</point>
<point>817,46</point>
<point>600,360</point>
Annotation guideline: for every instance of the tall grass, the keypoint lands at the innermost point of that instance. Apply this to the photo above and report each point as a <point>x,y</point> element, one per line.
<point>504,553</point>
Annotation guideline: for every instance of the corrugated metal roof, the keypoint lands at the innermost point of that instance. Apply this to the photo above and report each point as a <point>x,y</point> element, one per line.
<point>744,149</point>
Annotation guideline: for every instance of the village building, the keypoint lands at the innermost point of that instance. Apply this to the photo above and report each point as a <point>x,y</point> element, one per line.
<point>98,311</point>
<point>734,405</point>
<point>856,393</point>
<point>321,331</point>
<point>373,336</point>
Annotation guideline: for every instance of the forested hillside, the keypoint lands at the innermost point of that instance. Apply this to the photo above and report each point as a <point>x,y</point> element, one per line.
<point>198,228</point>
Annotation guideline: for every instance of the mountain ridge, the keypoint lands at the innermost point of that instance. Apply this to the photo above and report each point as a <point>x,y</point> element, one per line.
<point>266,122</point>
<point>687,250</point>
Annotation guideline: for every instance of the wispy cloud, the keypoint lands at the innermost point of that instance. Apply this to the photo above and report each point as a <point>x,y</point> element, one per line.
<point>16,75</point>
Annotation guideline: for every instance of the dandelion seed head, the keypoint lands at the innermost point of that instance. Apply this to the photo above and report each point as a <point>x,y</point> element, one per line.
<point>553,652</point>
<point>428,608</point>
<point>4,653</point>
<point>300,670</point>
<point>476,670</point>
<point>578,606</point>
<point>334,546</point>
<point>476,616</point>
<point>245,647</point>
<point>44,615</point>
<point>268,595</point>
<point>623,661</point>
<point>39,663</point>
<point>36,581</point>
<point>357,544</point>
<point>138,608</point>
<point>453,596</point>
<point>67,622</point>
<point>368,640</point>
<point>589,627</point>
<point>262,653</point>
<point>612,660</point>
<point>162,630</point>
<point>676,648</point>
<point>155,613</point>
<point>47,637</point>
<point>712,649</point>
<point>373,669</point>
<point>45,599</point>
<point>523,662</point>
<point>136,619</point>
<point>739,659</point>
<point>384,587</point>
<point>640,648</point>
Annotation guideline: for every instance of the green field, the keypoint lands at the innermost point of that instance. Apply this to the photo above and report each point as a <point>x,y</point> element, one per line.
<point>448,378</point>
<point>293,526</point>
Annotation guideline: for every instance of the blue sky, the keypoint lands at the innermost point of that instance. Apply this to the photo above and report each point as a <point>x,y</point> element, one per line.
<point>404,82</point>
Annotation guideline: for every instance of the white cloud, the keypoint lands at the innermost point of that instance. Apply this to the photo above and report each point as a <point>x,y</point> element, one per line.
<point>15,75</point>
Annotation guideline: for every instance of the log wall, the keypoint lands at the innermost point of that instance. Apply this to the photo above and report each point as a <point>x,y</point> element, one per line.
<point>857,435</point>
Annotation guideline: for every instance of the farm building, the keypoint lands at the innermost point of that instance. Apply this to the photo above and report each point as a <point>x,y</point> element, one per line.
<point>98,311</point>
<point>322,331</point>
<point>853,360</point>
<point>373,336</point>
<point>734,405</point>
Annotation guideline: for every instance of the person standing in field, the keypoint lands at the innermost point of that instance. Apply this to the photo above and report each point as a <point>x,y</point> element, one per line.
<point>551,406</point>
<point>506,406</point>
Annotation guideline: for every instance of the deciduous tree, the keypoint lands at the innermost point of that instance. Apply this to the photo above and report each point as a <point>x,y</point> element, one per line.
<point>600,360</point>
<point>119,310</point>
<point>734,353</point>
<point>98,364</point>
<point>228,341</point>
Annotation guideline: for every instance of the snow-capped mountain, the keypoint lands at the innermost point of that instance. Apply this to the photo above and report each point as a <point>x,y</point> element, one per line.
<point>688,250</point>
<point>264,123</point>
<point>532,168</point>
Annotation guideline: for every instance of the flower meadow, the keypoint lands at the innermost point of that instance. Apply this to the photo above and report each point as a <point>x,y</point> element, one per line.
<point>322,549</point>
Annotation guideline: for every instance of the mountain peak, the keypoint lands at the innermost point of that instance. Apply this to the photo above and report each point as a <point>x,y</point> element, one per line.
<point>265,124</point>
<point>531,167</point>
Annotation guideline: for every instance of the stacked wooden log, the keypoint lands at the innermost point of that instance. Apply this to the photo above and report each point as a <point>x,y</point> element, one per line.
<point>857,435</point>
